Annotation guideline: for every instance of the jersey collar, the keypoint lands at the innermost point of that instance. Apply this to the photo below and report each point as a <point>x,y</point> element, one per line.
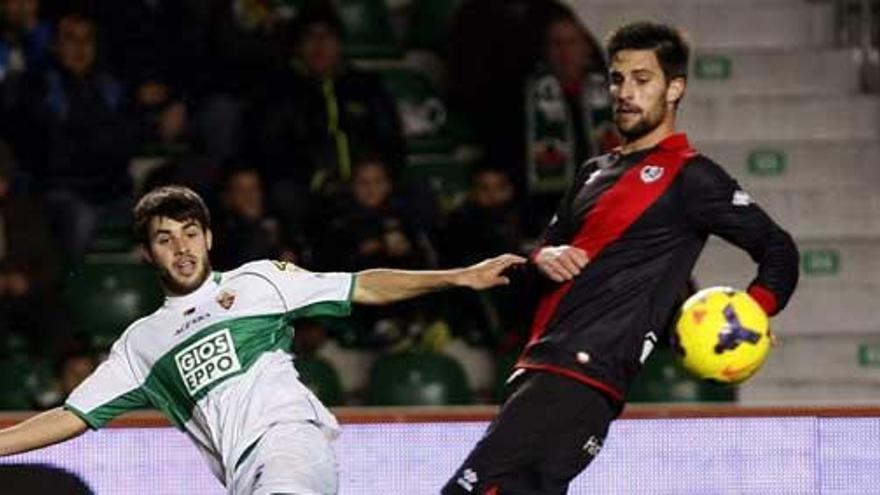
<point>210,283</point>
<point>674,142</point>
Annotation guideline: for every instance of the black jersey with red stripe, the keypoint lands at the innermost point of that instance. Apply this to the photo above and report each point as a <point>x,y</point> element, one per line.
<point>643,218</point>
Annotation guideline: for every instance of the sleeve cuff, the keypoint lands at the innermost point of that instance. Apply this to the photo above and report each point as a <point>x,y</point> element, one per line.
<point>83,416</point>
<point>765,298</point>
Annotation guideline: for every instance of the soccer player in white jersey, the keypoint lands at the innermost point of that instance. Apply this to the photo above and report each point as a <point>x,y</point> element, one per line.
<point>214,357</point>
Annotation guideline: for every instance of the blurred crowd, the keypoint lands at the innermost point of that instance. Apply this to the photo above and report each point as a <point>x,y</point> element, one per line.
<point>304,153</point>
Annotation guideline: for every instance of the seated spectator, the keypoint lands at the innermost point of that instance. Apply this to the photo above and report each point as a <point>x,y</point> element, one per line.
<point>372,232</point>
<point>158,48</point>
<point>244,230</point>
<point>494,44</point>
<point>163,119</point>
<point>75,362</point>
<point>567,114</point>
<point>29,269</point>
<point>73,134</point>
<point>487,224</point>
<point>24,44</point>
<point>316,114</point>
<point>156,42</point>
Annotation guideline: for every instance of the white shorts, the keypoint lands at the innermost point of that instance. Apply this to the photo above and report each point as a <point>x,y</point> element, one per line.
<point>290,458</point>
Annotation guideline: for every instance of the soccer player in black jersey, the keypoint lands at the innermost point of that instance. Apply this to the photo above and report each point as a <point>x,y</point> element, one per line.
<point>614,258</point>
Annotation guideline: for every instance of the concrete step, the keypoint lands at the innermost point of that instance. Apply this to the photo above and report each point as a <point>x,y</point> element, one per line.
<point>783,165</point>
<point>721,23</point>
<point>824,213</point>
<point>838,291</point>
<point>831,368</point>
<point>770,118</point>
<point>773,71</point>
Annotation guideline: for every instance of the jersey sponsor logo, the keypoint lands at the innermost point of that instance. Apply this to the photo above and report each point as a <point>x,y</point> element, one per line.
<point>226,299</point>
<point>651,173</point>
<point>192,321</point>
<point>207,360</point>
<point>741,198</point>
<point>468,479</point>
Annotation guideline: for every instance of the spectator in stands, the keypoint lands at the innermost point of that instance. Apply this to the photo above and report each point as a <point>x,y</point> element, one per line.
<point>319,112</point>
<point>75,362</point>
<point>245,231</point>
<point>163,121</point>
<point>25,42</point>
<point>74,134</point>
<point>73,368</point>
<point>29,268</point>
<point>566,117</point>
<point>156,42</point>
<point>494,44</point>
<point>488,222</point>
<point>158,48</point>
<point>568,109</point>
<point>372,231</point>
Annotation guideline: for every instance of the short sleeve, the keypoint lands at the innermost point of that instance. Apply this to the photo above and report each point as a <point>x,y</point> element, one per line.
<point>309,294</point>
<point>109,391</point>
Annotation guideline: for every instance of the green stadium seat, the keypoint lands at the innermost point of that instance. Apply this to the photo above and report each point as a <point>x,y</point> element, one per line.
<point>417,379</point>
<point>16,393</point>
<point>320,376</point>
<point>663,380</point>
<point>422,111</point>
<point>368,32</point>
<point>113,235</point>
<point>429,24</point>
<point>105,297</point>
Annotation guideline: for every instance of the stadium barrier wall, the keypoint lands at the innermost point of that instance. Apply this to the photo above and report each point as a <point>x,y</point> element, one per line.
<point>651,450</point>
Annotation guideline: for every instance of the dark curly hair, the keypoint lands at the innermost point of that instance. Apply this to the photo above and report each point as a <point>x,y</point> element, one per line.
<point>669,44</point>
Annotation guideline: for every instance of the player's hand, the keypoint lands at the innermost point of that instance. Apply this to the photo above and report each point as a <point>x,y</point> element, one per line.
<point>488,273</point>
<point>561,263</point>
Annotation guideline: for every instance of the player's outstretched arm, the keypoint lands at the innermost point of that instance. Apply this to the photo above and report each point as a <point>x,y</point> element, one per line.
<point>44,429</point>
<point>384,286</point>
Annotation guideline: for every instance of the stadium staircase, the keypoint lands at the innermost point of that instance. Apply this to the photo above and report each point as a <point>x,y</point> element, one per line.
<point>777,100</point>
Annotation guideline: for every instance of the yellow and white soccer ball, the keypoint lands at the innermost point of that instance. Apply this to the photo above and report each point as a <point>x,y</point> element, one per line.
<point>722,334</point>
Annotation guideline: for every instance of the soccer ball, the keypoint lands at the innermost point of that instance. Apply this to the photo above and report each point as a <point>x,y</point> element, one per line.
<point>722,334</point>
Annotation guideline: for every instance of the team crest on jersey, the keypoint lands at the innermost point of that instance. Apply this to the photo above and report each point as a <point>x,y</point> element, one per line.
<point>226,299</point>
<point>651,173</point>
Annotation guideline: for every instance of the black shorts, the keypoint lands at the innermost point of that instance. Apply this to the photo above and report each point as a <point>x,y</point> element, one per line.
<point>548,430</point>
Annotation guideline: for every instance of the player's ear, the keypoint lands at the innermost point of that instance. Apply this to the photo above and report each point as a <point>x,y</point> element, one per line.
<point>675,90</point>
<point>209,238</point>
<point>145,253</point>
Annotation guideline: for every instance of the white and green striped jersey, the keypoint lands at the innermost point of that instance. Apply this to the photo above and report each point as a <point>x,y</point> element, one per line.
<point>215,361</point>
